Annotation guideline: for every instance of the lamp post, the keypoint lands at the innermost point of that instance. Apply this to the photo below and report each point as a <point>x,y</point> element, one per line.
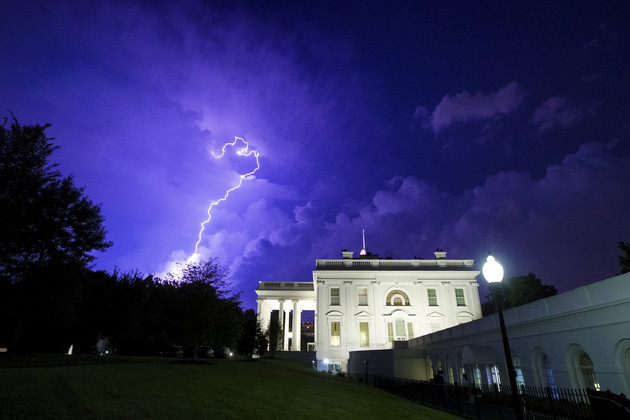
<point>493,272</point>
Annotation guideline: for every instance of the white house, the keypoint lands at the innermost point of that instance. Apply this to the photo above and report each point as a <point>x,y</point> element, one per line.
<point>368,303</point>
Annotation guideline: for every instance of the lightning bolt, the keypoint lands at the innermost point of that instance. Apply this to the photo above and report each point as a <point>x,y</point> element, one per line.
<point>244,151</point>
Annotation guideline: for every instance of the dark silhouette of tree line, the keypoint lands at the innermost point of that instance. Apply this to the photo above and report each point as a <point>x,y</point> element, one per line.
<point>51,298</point>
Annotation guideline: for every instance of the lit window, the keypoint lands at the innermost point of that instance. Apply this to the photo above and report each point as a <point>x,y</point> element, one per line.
<point>334,296</point>
<point>397,298</point>
<point>432,297</point>
<point>363,301</point>
<point>410,329</point>
<point>477,374</point>
<point>586,370</point>
<point>390,332</point>
<point>459,296</point>
<point>547,373</point>
<point>493,376</point>
<point>335,334</point>
<point>400,330</point>
<point>520,380</point>
<point>364,334</point>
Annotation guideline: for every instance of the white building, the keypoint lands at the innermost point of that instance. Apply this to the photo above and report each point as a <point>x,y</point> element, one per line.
<point>578,339</point>
<point>367,303</point>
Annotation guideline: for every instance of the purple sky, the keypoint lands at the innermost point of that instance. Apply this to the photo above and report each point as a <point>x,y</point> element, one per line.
<point>467,126</point>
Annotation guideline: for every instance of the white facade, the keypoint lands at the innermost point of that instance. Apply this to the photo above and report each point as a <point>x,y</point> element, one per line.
<point>369,303</point>
<point>290,299</point>
<point>577,339</point>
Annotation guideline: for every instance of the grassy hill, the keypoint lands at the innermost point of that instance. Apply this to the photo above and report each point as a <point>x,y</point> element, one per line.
<point>121,387</point>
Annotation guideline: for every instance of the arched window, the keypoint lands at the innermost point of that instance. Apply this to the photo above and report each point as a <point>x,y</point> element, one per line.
<point>397,298</point>
<point>430,367</point>
<point>545,372</point>
<point>520,381</point>
<point>451,378</point>
<point>477,373</point>
<point>400,329</point>
<point>587,373</point>
<point>493,376</point>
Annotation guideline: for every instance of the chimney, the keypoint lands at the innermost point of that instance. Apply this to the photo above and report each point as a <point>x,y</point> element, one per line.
<point>440,254</point>
<point>347,255</point>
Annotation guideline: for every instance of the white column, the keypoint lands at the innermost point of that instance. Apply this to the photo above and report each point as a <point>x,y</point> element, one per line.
<point>315,329</point>
<point>295,342</point>
<point>281,321</point>
<point>285,343</point>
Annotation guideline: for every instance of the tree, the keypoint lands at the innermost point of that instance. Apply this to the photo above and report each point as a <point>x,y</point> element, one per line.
<point>44,217</point>
<point>624,260</point>
<point>46,222</point>
<point>517,291</point>
<point>274,333</point>
<point>207,312</point>
<point>253,339</point>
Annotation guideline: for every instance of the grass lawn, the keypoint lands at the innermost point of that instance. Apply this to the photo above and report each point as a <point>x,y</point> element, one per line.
<point>121,387</point>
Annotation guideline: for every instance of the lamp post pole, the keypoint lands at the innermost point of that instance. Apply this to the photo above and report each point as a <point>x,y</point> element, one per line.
<point>493,272</point>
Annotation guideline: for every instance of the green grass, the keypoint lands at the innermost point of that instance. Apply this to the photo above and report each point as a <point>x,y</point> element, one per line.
<point>119,387</point>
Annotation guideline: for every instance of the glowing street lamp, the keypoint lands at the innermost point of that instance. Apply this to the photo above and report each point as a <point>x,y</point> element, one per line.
<point>493,272</point>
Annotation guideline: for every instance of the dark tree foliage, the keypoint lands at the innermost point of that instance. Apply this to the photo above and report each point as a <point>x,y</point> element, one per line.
<point>44,218</point>
<point>253,339</point>
<point>206,311</point>
<point>624,259</point>
<point>516,291</point>
<point>48,232</point>
<point>261,340</point>
<point>247,341</point>
<point>274,333</point>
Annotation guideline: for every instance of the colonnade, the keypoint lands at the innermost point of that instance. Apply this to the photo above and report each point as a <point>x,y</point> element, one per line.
<point>286,308</point>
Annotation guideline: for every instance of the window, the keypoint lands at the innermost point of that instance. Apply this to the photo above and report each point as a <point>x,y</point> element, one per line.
<point>520,380</point>
<point>335,334</point>
<point>390,332</point>
<point>451,378</point>
<point>364,334</point>
<point>492,373</point>
<point>587,372</point>
<point>334,296</point>
<point>410,330</point>
<point>397,298</point>
<point>544,364</point>
<point>432,297</point>
<point>400,330</point>
<point>363,301</point>
<point>477,378</point>
<point>459,297</point>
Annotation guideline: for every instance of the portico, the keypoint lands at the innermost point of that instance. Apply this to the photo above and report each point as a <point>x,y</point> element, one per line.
<point>289,299</point>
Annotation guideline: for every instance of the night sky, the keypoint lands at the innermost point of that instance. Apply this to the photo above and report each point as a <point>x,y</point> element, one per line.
<point>467,126</point>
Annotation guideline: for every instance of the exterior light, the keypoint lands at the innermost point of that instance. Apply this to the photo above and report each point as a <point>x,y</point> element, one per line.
<point>493,272</point>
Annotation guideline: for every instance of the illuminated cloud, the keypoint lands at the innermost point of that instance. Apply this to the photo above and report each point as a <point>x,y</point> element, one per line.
<point>558,111</point>
<point>464,107</point>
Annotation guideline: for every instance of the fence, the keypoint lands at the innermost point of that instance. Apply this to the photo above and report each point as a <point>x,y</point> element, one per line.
<point>488,403</point>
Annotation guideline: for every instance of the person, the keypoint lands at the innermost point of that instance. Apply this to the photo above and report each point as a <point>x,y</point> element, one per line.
<point>439,378</point>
